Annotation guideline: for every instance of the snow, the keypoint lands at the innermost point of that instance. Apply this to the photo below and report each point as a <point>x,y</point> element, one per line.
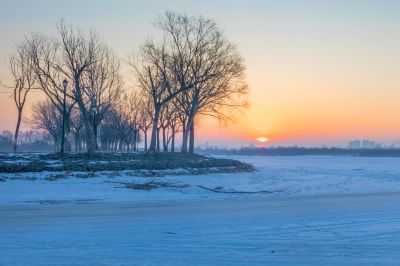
<point>17,162</point>
<point>295,176</point>
<point>330,211</point>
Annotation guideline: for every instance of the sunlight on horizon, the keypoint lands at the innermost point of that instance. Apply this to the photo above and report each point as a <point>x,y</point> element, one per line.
<point>262,139</point>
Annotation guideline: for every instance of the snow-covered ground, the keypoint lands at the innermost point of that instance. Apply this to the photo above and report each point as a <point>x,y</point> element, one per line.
<point>288,176</point>
<point>323,210</point>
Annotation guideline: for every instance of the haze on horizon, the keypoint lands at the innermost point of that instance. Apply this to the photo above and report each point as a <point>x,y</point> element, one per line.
<point>319,72</point>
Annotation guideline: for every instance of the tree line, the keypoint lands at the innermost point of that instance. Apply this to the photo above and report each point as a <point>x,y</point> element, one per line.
<point>390,151</point>
<point>191,71</point>
<point>38,141</point>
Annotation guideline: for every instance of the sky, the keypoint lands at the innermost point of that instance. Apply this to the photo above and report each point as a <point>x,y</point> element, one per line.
<point>319,72</point>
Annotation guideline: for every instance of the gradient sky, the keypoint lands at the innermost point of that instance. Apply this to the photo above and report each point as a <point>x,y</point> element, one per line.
<point>320,72</point>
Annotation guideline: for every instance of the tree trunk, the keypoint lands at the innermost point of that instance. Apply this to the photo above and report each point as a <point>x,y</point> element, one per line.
<point>56,146</point>
<point>190,126</point>
<point>158,139</point>
<point>191,141</point>
<point>184,140</point>
<point>17,130</point>
<point>137,139</point>
<point>173,140</point>
<point>185,135</point>
<point>90,140</point>
<point>165,147</point>
<point>94,125</point>
<point>153,139</point>
<point>134,140</point>
<point>75,144</point>
<point>145,140</point>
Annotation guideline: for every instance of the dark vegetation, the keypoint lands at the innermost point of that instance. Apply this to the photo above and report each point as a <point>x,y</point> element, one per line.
<point>196,164</point>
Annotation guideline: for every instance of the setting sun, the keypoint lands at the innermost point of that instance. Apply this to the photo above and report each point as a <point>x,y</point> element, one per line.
<point>262,139</point>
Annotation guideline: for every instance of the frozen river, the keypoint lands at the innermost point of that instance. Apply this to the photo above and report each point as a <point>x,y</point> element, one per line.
<point>334,210</point>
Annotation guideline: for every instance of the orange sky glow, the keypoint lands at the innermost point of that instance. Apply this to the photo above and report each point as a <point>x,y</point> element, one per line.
<point>319,74</point>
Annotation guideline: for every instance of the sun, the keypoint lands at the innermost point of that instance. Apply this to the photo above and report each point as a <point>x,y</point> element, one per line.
<point>262,139</point>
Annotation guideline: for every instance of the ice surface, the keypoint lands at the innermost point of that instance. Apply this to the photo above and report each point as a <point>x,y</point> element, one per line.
<point>334,210</point>
<point>295,176</point>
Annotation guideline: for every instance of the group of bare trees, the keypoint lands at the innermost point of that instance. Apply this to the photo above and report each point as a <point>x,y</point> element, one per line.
<point>27,141</point>
<point>20,65</point>
<point>190,72</point>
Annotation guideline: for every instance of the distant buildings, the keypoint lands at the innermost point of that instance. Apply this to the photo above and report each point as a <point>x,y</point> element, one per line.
<point>363,144</point>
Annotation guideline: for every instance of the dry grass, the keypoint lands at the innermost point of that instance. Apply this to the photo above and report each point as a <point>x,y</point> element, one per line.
<point>153,185</point>
<point>56,177</point>
<point>220,190</point>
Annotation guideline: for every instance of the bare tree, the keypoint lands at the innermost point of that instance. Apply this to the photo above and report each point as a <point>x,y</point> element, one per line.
<point>20,65</point>
<point>78,53</point>
<point>165,68</point>
<point>77,128</point>
<point>121,121</point>
<point>215,68</point>
<point>45,54</point>
<point>169,125</point>
<point>150,79</point>
<point>45,116</point>
<point>87,64</point>
<point>222,99</point>
<point>145,118</point>
<point>175,126</point>
<point>135,104</point>
<point>103,86</point>
<point>164,125</point>
<point>109,135</point>
<point>192,55</point>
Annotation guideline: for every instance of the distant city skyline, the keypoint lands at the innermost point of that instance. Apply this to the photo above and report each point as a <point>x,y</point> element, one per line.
<point>320,72</point>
